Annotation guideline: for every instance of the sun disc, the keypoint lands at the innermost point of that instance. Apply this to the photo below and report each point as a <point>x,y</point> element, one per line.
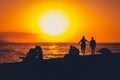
<point>53,23</point>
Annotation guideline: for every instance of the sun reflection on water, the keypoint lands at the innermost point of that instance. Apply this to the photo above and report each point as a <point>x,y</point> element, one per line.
<point>54,49</point>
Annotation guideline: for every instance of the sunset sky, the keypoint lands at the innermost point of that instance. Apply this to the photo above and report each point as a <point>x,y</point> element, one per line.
<point>59,20</point>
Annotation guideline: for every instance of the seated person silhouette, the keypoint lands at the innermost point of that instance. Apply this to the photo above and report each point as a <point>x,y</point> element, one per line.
<point>72,56</point>
<point>76,51</point>
<point>71,50</point>
<point>31,56</point>
<point>34,55</point>
<point>39,53</point>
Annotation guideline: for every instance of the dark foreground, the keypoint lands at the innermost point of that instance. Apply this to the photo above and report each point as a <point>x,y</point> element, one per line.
<point>97,67</point>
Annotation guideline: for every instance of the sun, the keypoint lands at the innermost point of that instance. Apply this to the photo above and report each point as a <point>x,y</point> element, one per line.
<point>53,23</point>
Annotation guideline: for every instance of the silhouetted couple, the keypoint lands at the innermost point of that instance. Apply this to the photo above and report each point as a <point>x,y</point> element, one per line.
<point>34,55</point>
<point>82,43</point>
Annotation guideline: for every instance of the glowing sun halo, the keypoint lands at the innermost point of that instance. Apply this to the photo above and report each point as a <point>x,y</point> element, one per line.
<point>53,23</point>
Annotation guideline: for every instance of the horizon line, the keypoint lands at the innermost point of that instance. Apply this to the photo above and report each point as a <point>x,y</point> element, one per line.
<point>56,42</point>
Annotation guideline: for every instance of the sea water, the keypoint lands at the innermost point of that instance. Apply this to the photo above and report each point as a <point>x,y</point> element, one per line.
<point>11,52</point>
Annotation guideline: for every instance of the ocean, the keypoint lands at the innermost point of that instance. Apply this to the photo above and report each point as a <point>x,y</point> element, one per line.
<point>11,52</point>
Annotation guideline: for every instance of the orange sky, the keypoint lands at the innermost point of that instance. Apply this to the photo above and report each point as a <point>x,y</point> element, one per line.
<point>98,18</point>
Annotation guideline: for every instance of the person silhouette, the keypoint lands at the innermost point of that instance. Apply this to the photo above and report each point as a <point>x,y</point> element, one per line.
<point>39,53</point>
<point>82,43</point>
<point>31,56</point>
<point>92,45</point>
<point>76,51</point>
<point>71,50</point>
<point>72,56</point>
<point>34,55</point>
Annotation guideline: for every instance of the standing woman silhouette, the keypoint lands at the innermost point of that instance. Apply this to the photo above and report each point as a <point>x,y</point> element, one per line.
<point>82,43</point>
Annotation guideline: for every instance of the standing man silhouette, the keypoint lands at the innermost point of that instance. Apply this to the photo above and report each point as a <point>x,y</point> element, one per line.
<point>82,43</point>
<point>92,46</point>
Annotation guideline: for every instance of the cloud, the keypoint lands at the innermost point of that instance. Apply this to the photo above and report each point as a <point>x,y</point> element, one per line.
<point>19,37</point>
